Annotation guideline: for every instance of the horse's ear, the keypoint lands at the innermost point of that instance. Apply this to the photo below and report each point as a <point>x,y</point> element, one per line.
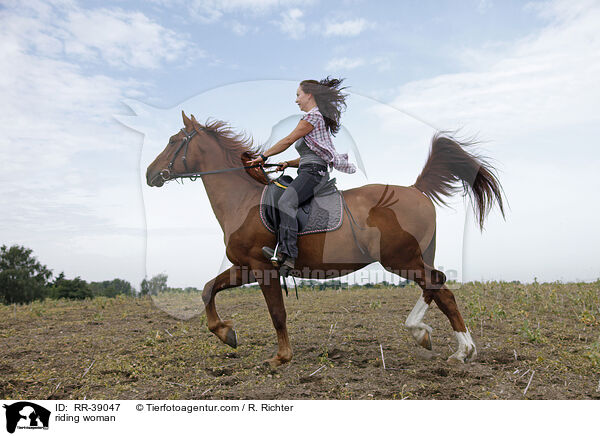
<point>186,121</point>
<point>194,119</point>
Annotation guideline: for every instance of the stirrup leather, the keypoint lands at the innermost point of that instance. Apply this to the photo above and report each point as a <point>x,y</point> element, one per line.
<point>274,260</point>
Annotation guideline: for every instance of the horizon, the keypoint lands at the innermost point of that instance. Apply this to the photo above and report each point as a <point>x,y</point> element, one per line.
<point>397,281</point>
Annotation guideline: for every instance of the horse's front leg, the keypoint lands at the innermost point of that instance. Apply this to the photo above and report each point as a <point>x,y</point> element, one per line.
<point>229,278</point>
<point>271,288</point>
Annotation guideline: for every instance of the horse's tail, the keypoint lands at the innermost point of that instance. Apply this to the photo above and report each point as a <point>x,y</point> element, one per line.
<point>449,163</point>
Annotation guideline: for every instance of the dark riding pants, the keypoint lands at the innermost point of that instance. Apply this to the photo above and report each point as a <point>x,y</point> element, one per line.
<point>301,190</point>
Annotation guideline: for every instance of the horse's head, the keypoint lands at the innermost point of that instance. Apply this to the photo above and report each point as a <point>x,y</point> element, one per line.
<point>183,154</point>
<point>197,148</point>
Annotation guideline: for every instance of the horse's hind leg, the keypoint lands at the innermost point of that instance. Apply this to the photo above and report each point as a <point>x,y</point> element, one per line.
<point>229,278</point>
<point>417,272</point>
<point>434,289</point>
<point>431,282</point>
<point>428,279</point>
<point>444,298</point>
<point>420,331</point>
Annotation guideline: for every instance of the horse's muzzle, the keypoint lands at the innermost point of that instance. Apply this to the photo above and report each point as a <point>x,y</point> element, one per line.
<point>156,179</point>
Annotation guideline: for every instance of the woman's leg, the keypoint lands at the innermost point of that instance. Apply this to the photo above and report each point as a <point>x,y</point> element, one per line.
<point>299,191</point>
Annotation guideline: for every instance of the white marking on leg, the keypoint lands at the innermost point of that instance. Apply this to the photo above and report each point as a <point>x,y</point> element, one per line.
<point>466,347</point>
<point>414,321</point>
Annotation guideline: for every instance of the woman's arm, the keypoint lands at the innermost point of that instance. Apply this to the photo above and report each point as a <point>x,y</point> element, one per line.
<point>294,163</point>
<point>302,129</point>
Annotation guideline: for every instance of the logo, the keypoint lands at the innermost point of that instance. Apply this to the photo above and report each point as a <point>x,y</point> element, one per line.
<point>26,415</point>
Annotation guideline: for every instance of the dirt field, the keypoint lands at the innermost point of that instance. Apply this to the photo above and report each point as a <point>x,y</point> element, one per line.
<point>126,348</point>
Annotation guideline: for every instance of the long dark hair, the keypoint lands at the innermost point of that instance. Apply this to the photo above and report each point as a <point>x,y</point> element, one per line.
<point>330,100</point>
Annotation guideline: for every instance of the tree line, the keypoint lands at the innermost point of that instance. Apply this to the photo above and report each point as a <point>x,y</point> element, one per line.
<point>23,279</point>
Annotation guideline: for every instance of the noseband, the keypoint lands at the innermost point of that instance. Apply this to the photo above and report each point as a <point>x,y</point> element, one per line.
<point>168,174</point>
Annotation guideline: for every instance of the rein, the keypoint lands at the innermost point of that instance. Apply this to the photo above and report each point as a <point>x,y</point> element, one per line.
<point>167,174</point>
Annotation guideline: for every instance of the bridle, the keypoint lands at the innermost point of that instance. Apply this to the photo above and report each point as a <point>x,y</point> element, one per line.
<point>168,174</point>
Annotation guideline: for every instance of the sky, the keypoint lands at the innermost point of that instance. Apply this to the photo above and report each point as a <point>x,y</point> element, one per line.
<point>92,91</point>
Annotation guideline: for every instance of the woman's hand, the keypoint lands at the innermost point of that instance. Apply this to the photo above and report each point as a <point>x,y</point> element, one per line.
<point>282,166</point>
<point>258,161</point>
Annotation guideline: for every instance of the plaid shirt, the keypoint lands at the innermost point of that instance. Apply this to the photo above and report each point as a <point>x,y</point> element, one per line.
<point>319,141</point>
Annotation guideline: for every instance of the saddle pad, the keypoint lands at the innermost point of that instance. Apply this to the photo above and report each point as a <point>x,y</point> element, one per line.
<point>322,214</point>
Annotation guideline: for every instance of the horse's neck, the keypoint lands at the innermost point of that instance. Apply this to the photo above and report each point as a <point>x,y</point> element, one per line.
<point>232,196</point>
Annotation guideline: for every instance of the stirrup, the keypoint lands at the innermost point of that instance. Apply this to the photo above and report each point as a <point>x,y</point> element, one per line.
<point>277,261</point>
<point>274,259</point>
<point>269,253</point>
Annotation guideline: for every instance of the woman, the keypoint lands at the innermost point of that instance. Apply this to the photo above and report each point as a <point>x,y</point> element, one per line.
<point>323,102</point>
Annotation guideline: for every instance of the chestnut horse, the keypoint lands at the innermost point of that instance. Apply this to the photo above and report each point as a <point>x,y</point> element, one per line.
<point>394,225</point>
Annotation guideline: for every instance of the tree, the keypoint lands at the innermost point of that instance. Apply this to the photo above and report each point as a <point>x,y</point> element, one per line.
<point>111,288</point>
<point>121,286</point>
<point>22,277</point>
<point>75,289</point>
<point>144,287</point>
<point>155,285</point>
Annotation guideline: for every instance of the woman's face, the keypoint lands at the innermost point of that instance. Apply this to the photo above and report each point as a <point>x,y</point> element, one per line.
<point>303,100</point>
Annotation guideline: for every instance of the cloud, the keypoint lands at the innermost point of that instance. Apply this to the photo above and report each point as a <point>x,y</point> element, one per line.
<point>545,80</point>
<point>103,36</point>
<point>537,100</point>
<point>344,63</point>
<point>113,36</point>
<point>209,11</point>
<point>346,28</point>
<point>68,166</point>
<point>122,39</point>
<point>258,6</point>
<point>484,5</point>
<point>291,23</point>
<point>239,28</point>
<point>381,63</point>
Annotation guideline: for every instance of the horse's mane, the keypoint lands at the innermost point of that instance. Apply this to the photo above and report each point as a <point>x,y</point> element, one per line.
<point>240,147</point>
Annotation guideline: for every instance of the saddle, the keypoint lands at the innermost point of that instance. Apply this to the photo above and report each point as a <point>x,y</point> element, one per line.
<point>322,213</point>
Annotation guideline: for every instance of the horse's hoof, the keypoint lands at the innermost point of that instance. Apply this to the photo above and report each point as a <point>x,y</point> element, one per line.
<point>456,358</point>
<point>466,348</point>
<point>462,356</point>
<point>425,341</point>
<point>471,355</point>
<point>277,361</point>
<point>271,364</point>
<point>422,335</point>
<point>231,338</point>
